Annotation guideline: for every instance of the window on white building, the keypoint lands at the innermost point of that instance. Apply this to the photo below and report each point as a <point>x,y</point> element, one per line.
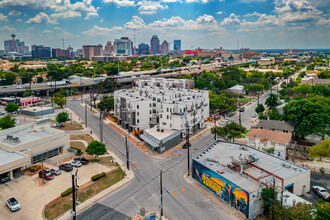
<point>137,106</point>
<point>164,123</point>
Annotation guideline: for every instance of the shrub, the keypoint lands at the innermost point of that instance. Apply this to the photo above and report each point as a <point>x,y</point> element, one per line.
<point>66,192</point>
<point>34,168</point>
<point>98,176</point>
<point>322,170</point>
<point>79,152</point>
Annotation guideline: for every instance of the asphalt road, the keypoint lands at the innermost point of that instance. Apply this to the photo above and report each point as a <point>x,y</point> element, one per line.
<point>318,180</point>
<point>143,190</point>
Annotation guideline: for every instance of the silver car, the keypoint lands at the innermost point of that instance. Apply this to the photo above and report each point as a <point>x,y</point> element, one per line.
<point>13,204</point>
<point>55,171</point>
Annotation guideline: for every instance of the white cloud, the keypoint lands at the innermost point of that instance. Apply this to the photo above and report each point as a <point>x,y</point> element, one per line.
<point>197,1</point>
<point>171,1</point>
<point>19,20</point>
<point>57,28</point>
<point>14,13</point>
<point>251,1</point>
<point>3,17</point>
<point>232,20</point>
<point>323,21</point>
<point>101,20</point>
<point>91,14</point>
<point>135,23</point>
<point>123,3</point>
<point>7,28</point>
<point>54,5</point>
<point>253,14</point>
<point>100,31</point>
<point>41,18</point>
<point>64,15</point>
<point>47,31</point>
<point>219,12</point>
<point>264,22</point>
<point>150,7</point>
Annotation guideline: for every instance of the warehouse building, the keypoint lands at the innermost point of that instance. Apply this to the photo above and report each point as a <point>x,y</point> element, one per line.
<point>237,174</point>
<point>28,144</point>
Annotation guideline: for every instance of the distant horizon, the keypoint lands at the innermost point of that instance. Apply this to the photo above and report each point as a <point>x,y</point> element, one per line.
<point>207,24</point>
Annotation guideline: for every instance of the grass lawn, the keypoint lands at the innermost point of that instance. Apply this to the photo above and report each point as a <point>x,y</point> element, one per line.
<point>63,204</point>
<point>69,126</point>
<point>245,99</point>
<point>84,137</point>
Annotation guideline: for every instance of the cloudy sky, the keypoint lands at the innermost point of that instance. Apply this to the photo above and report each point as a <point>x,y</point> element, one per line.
<point>259,24</point>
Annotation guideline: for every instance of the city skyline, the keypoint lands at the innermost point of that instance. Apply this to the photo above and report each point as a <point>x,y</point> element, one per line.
<point>258,24</point>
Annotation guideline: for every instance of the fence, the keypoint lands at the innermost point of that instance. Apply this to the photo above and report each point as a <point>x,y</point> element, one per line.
<point>59,158</point>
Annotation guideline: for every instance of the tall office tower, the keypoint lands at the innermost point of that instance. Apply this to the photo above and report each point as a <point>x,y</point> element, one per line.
<point>177,45</point>
<point>164,48</point>
<point>90,51</point>
<point>123,47</point>
<point>57,52</point>
<point>40,52</point>
<point>143,49</point>
<point>108,48</point>
<point>154,44</point>
<point>13,45</point>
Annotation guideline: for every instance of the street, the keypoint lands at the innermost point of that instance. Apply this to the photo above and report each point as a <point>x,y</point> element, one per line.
<point>143,190</point>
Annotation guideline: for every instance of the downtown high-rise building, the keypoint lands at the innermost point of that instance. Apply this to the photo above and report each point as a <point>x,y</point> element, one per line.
<point>123,47</point>
<point>143,49</point>
<point>90,51</point>
<point>108,49</point>
<point>13,45</point>
<point>41,52</point>
<point>154,45</point>
<point>164,48</point>
<point>177,45</point>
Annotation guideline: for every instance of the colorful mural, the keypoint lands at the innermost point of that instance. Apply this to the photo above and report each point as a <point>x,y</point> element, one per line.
<point>226,190</point>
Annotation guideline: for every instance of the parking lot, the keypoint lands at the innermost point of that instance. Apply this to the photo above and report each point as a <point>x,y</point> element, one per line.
<point>318,180</point>
<point>33,197</point>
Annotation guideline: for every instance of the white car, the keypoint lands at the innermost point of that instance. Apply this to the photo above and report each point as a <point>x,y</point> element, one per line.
<point>254,115</point>
<point>13,204</point>
<point>76,163</point>
<point>321,192</point>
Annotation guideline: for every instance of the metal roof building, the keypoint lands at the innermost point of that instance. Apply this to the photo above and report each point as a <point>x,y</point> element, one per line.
<point>237,173</point>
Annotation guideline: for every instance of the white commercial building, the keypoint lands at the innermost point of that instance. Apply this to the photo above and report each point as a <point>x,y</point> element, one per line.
<point>25,145</point>
<point>165,103</point>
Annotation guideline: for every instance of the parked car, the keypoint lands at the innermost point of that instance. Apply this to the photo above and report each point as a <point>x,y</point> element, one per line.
<point>4,179</point>
<point>55,171</point>
<point>321,192</point>
<point>2,113</point>
<point>20,87</point>
<point>44,174</point>
<point>66,167</point>
<point>57,124</point>
<point>81,160</point>
<point>254,115</point>
<point>13,204</point>
<point>242,109</point>
<point>223,122</point>
<point>76,163</point>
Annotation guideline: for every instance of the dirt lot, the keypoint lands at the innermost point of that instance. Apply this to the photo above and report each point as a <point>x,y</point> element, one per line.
<point>33,197</point>
<point>83,137</point>
<point>68,126</point>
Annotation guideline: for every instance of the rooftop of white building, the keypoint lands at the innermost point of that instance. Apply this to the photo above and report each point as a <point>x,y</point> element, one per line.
<point>26,133</point>
<point>8,156</point>
<point>218,155</point>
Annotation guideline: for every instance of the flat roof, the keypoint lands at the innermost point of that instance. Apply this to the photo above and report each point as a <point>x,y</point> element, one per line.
<point>26,134</point>
<point>36,108</point>
<point>219,154</point>
<point>158,134</point>
<point>7,156</point>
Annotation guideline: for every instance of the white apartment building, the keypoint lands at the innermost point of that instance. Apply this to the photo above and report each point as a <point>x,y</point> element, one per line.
<point>171,108</point>
<point>165,104</point>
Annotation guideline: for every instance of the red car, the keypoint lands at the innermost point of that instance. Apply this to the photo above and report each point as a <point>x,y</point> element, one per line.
<point>46,175</point>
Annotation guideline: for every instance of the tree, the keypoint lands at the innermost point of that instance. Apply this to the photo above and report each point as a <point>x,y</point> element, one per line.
<point>298,211</point>
<point>96,148</point>
<point>59,99</point>
<point>62,117</point>
<point>11,107</point>
<point>260,108</point>
<point>322,210</point>
<point>7,122</point>
<point>230,131</point>
<point>28,92</point>
<point>321,150</point>
<point>267,196</point>
<point>272,101</point>
<point>274,114</point>
<point>308,117</point>
<point>106,104</point>
<point>303,89</point>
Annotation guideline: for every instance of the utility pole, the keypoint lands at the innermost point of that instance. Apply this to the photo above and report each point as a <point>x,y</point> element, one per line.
<point>85,114</point>
<point>73,197</point>
<point>101,127</point>
<point>161,194</point>
<point>81,90</point>
<point>127,153</point>
<point>239,114</point>
<point>273,208</point>
<point>187,143</point>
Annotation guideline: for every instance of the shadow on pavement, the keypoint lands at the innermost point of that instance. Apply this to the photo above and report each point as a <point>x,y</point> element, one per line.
<point>101,212</point>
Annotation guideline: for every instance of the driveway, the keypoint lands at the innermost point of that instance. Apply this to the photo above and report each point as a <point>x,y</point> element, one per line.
<point>33,197</point>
